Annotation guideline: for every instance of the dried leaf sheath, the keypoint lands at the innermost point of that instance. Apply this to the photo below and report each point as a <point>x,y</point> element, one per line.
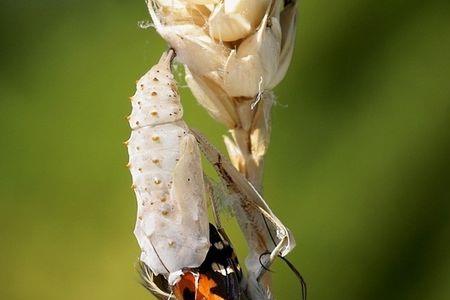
<point>264,232</point>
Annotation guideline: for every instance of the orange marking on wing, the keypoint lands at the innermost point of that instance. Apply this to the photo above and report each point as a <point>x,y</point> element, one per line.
<point>204,287</point>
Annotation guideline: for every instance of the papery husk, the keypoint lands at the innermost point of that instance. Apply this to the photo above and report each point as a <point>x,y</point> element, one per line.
<point>261,128</point>
<point>228,27</point>
<point>288,21</point>
<point>235,154</point>
<point>252,66</point>
<point>236,19</point>
<point>211,96</point>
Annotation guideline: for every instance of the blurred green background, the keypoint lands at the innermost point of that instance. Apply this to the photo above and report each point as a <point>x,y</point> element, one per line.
<point>358,167</point>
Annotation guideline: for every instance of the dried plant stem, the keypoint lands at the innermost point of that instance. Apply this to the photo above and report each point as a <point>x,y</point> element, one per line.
<point>251,166</point>
<point>250,140</point>
<point>247,148</point>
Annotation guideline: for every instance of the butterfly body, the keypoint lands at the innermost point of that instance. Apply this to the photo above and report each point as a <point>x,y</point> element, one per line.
<point>219,277</point>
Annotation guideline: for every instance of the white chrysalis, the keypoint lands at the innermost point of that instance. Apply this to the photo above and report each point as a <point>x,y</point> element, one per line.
<point>172,226</point>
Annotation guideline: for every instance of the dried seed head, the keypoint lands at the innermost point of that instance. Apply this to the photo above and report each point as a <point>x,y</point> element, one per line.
<point>224,45</point>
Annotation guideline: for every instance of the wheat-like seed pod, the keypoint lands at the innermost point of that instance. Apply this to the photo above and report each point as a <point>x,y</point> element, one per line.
<point>235,52</point>
<point>172,227</point>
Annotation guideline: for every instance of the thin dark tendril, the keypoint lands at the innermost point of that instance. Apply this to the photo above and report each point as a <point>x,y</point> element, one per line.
<point>299,276</point>
<point>261,263</point>
<point>268,229</point>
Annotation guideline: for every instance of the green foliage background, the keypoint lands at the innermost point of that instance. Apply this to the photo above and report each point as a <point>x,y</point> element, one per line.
<point>358,166</point>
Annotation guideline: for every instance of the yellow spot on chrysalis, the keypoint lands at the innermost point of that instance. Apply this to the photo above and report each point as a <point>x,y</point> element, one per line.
<point>163,198</point>
<point>155,138</point>
<point>154,113</point>
<point>131,98</point>
<point>156,180</point>
<point>126,143</point>
<point>128,165</point>
<point>155,161</point>
<point>133,186</point>
<point>154,93</point>
<point>171,243</point>
<point>128,118</point>
<point>164,212</point>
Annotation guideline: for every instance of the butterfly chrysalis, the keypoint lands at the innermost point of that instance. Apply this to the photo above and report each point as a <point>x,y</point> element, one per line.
<point>164,160</point>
